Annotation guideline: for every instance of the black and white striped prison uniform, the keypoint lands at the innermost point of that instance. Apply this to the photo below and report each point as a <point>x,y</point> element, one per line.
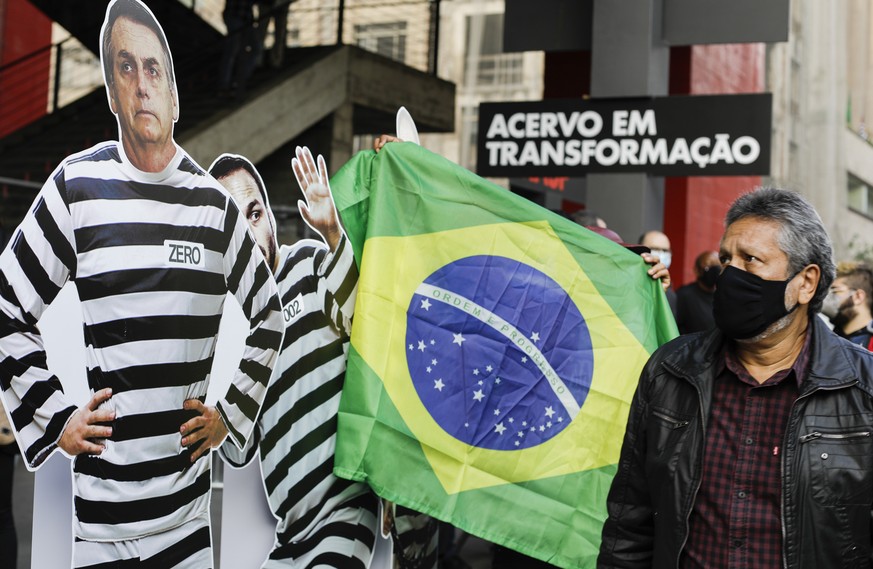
<point>188,546</point>
<point>153,256</point>
<point>323,520</point>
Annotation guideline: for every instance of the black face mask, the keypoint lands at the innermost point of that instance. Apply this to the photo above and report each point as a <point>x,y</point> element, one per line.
<point>744,305</point>
<point>710,276</point>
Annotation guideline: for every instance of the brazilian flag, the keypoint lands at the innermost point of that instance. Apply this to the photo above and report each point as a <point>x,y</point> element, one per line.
<point>495,350</point>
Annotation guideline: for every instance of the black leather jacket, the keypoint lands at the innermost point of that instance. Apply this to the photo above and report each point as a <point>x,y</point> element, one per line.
<point>827,460</point>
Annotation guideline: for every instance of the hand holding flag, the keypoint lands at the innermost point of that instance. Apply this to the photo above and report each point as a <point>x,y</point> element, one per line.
<point>495,350</point>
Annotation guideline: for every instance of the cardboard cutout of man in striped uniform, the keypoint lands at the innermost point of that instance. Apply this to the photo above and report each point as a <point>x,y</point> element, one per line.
<point>322,520</point>
<point>153,245</point>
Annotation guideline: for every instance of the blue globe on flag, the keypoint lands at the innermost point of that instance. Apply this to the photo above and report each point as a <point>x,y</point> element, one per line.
<point>498,352</point>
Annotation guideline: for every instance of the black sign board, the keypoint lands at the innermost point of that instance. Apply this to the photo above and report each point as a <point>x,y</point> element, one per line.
<point>690,22</point>
<point>708,135</point>
<point>566,25</point>
<point>547,25</point>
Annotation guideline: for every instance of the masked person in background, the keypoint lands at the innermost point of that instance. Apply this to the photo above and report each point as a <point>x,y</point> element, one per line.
<point>659,245</point>
<point>850,302</point>
<point>749,445</point>
<point>694,300</point>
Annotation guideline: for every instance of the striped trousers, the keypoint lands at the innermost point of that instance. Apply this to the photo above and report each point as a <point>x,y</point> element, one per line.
<point>188,546</point>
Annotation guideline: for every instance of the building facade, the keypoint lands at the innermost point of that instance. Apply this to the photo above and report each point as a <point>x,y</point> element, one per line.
<point>822,82</point>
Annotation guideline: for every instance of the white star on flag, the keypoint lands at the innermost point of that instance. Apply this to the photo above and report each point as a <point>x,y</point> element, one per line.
<point>521,433</point>
<point>459,339</point>
<point>466,424</point>
<point>560,419</point>
<point>432,342</point>
<point>480,382</point>
<point>488,368</point>
<point>425,304</point>
<point>532,429</point>
<point>499,428</point>
<point>410,346</point>
<point>421,345</point>
<point>476,371</point>
<point>549,424</point>
<point>497,381</point>
<point>524,423</point>
<point>549,411</point>
<point>542,428</point>
<point>429,369</point>
<point>438,384</point>
<point>535,337</point>
<point>511,420</point>
<point>478,395</point>
<point>433,362</point>
<point>524,359</point>
<point>517,443</point>
<point>497,411</point>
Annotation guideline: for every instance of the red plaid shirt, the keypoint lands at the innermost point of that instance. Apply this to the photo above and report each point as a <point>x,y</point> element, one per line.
<point>736,521</point>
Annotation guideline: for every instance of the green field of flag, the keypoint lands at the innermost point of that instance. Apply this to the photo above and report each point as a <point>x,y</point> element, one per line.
<point>495,350</point>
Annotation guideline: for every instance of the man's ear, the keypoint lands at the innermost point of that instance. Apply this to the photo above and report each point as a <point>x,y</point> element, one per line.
<point>175,103</point>
<point>110,88</point>
<point>810,276</point>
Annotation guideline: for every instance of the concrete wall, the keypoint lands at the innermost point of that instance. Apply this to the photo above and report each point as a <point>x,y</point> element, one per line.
<point>822,81</point>
<point>854,231</point>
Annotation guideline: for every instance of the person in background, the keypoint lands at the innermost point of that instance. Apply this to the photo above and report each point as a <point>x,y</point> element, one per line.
<point>849,303</point>
<point>694,300</point>
<point>659,245</point>
<point>277,11</point>
<point>238,52</point>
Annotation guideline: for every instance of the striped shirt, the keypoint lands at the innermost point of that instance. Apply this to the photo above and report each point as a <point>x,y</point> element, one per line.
<point>297,427</point>
<point>153,256</point>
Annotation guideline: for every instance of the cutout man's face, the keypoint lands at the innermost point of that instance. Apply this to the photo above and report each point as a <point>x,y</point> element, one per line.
<point>140,88</point>
<point>244,190</point>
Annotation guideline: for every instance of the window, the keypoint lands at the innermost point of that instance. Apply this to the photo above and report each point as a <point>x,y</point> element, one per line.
<point>384,38</point>
<point>860,196</point>
<point>486,66</point>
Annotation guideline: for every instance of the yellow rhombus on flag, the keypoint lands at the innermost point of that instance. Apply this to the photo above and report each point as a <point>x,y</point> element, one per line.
<point>495,349</point>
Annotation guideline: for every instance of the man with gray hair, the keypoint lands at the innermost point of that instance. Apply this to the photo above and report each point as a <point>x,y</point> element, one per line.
<point>750,445</point>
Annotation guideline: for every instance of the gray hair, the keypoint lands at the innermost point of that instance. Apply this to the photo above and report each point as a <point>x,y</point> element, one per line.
<point>802,235</point>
